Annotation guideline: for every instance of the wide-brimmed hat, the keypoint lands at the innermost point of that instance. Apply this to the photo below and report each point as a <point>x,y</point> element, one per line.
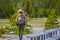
<point>20,11</point>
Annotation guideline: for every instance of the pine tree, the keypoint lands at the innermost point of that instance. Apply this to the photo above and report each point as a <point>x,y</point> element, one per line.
<point>52,21</point>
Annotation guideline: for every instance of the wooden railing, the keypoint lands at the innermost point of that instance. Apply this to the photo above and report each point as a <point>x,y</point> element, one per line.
<point>44,35</point>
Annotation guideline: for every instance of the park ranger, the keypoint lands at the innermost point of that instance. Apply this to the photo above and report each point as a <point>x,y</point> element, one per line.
<point>20,21</point>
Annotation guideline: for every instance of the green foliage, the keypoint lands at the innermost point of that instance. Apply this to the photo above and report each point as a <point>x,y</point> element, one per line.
<point>6,8</point>
<point>40,8</point>
<point>15,31</point>
<point>27,30</point>
<point>32,7</point>
<point>52,21</point>
<point>1,32</point>
<point>41,12</point>
<point>12,19</point>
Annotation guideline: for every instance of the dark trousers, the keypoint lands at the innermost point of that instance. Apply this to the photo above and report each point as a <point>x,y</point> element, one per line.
<point>21,29</point>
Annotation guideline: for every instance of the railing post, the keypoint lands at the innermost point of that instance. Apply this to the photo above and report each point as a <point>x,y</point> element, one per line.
<point>56,32</point>
<point>59,31</point>
<point>53,33</point>
<point>34,38</point>
<point>44,37</point>
<point>31,38</point>
<point>41,37</point>
<point>38,37</point>
<point>50,34</point>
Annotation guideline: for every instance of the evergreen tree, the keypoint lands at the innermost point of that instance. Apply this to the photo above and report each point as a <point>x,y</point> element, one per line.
<point>7,8</point>
<point>52,21</point>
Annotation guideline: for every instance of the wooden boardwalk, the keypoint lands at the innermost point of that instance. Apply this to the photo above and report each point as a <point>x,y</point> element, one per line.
<point>17,38</point>
<point>53,34</point>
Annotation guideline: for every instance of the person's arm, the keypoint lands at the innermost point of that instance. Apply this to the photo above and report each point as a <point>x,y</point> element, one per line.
<point>16,20</point>
<point>27,18</point>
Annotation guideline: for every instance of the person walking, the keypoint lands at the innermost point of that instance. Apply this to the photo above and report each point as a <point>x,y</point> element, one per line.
<point>20,21</point>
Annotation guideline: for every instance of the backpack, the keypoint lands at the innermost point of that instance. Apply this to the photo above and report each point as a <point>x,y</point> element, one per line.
<point>18,19</point>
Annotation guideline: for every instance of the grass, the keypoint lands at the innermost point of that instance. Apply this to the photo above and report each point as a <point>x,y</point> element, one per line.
<point>35,22</point>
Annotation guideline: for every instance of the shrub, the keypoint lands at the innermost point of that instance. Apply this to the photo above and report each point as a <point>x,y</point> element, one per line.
<point>52,21</point>
<point>1,31</point>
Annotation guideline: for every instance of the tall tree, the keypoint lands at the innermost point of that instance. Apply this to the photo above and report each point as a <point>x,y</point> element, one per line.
<point>6,8</point>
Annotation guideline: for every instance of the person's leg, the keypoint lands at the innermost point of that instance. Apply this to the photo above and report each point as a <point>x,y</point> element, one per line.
<point>19,31</point>
<point>22,30</point>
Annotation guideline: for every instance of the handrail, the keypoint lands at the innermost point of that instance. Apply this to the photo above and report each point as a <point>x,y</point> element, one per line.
<point>44,35</point>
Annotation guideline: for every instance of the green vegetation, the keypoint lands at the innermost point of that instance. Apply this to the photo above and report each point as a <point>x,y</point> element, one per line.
<point>49,9</point>
<point>6,8</point>
<point>35,22</point>
<point>1,31</point>
<point>52,21</point>
<point>33,8</point>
